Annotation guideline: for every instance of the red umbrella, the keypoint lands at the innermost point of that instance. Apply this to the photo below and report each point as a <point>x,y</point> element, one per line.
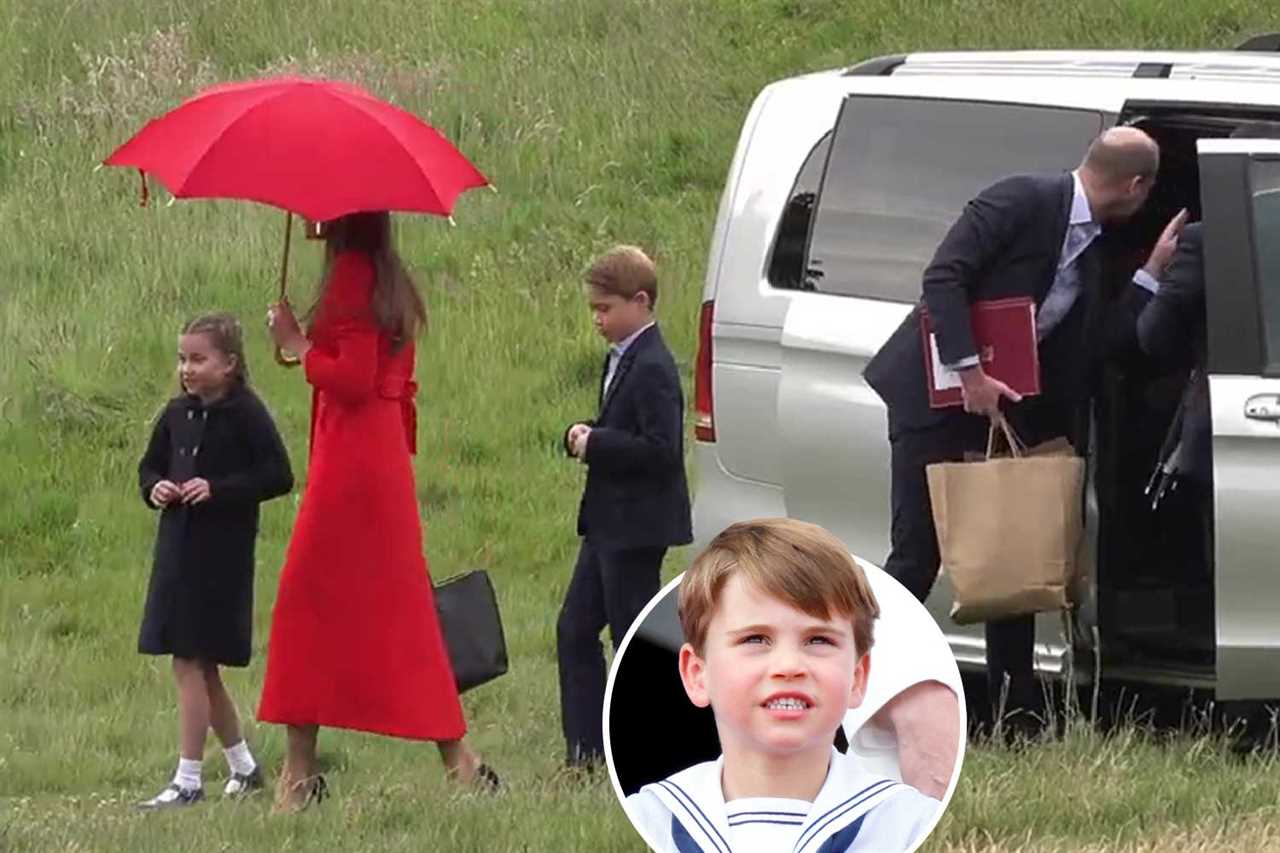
<point>319,148</point>
<point>315,147</point>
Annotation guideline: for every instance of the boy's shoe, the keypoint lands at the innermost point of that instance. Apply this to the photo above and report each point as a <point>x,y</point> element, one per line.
<point>244,784</point>
<point>173,797</point>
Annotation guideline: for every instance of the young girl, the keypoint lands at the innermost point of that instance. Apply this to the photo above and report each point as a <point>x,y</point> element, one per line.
<point>214,455</point>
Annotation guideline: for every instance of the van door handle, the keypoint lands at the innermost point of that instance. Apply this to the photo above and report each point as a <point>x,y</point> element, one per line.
<point>1263,407</point>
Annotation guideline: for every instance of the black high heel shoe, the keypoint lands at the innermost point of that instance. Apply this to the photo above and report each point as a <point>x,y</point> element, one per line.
<point>487,779</point>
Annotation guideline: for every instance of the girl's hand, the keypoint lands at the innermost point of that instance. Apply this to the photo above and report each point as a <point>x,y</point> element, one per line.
<point>163,492</point>
<point>195,491</point>
<point>285,330</point>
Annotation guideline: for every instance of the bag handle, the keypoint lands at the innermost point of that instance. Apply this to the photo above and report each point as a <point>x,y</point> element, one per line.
<point>1017,449</point>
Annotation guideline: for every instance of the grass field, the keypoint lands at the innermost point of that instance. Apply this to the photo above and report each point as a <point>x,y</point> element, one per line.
<point>599,121</point>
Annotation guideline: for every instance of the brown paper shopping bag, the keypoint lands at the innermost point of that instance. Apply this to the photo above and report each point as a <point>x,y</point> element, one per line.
<point>1009,527</point>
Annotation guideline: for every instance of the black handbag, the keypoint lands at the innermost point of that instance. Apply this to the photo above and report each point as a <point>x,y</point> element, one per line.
<point>472,628</point>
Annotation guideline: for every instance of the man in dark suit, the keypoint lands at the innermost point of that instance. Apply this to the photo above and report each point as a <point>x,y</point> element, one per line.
<point>1031,236</point>
<point>1166,322</point>
<point>636,501</point>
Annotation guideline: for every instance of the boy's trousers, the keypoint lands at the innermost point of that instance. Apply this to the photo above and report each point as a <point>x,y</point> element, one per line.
<point>609,587</point>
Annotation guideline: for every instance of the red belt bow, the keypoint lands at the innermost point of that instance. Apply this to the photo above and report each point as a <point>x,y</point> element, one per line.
<point>406,391</point>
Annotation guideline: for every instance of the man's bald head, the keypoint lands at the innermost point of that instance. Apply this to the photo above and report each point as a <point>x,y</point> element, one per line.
<point>1118,172</point>
<point>1123,153</point>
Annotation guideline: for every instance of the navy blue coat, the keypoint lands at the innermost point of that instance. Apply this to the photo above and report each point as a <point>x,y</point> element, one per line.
<point>1005,243</point>
<point>636,494</point>
<point>200,598</point>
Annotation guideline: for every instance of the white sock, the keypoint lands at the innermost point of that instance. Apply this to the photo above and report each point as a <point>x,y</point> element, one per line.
<point>188,775</point>
<point>240,759</point>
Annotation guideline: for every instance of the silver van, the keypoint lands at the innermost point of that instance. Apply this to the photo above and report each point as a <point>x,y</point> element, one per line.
<point>842,185</point>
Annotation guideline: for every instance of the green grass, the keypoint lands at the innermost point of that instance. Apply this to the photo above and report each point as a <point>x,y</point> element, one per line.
<point>599,121</point>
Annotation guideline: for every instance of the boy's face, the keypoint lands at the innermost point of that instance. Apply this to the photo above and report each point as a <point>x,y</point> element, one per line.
<point>778,679</point>
<point>616,317</point>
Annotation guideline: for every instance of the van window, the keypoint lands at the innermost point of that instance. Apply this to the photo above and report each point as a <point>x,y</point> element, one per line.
<point>901,169</point>
<point>786,263</point>
<point>1266,239</point>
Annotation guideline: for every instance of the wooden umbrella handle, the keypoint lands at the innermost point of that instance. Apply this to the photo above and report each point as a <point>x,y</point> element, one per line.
<point>281,358</point>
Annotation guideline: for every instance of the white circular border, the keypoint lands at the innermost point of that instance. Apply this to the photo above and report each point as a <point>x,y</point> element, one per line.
<point>958,687</point>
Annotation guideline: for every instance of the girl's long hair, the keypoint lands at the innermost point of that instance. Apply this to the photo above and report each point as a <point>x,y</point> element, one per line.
<point>397,306</point>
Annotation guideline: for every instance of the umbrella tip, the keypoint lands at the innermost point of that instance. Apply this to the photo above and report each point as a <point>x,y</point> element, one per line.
<point>97,167</point>
<point>452,223</point>
<point>493,189</point>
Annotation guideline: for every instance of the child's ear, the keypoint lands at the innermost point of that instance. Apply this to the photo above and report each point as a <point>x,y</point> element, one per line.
<point>861,673</point>
<point>693,671</point>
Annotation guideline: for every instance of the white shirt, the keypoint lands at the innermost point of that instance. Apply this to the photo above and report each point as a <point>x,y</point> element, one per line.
<point>686,813</point>
<point>617,351</point>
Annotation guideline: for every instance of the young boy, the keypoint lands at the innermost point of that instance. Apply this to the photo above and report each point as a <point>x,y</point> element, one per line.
<point>778,621</point>
<point>636,502</point>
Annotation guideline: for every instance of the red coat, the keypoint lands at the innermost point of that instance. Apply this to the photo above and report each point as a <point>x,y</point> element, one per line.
<point>355,641</point>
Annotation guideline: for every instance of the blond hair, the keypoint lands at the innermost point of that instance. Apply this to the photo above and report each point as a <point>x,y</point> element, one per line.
<point>625,271</point>
<point>793,561</point>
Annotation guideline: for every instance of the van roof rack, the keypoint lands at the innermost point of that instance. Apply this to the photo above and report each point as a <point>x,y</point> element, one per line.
<point>880,66</point>
<point>1265,43</point>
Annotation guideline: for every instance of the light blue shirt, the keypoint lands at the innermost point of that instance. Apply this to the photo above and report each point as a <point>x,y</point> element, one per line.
<point>1082,230</point>
<point>617,351</point>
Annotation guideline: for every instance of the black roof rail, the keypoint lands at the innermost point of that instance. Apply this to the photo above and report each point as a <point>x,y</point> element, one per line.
<point>1153,69</point>
<point>1265,43</point>
<point>880,66</point>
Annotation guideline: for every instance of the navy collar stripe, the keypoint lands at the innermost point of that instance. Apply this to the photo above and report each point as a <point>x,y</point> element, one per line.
<point>786,814</point>
<point>682,839</point>
<point>843,809</point>
<point>843,839</point>
<point>704,823</point>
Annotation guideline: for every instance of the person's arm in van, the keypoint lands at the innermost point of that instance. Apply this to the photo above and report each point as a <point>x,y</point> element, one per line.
<point>1169,321</point>
<point>983,230</point>
<point>1129,308</point>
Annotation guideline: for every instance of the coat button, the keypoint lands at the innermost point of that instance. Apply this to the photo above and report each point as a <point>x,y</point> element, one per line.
<point>190,414</point>
<point>182,451</point>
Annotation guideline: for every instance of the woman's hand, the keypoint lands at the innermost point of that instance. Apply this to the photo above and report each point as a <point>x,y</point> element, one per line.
<point>285,330</point>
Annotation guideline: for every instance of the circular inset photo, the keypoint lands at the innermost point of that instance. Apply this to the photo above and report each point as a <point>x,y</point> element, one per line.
<point>781,695</point>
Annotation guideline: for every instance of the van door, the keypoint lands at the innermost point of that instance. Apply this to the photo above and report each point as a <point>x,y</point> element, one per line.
<point>899,171</point>
<point>1240,194</point>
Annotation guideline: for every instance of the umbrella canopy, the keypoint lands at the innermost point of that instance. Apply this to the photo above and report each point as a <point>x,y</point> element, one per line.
<point>319,148</point>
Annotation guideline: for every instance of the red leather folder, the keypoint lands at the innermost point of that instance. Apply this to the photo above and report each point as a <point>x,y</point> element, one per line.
<point>1005,333</point>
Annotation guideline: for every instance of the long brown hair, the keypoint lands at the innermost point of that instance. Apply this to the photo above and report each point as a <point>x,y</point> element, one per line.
<point>397,305</point>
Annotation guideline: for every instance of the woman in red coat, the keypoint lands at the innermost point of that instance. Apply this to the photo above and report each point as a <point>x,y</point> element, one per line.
<point>355,642</point>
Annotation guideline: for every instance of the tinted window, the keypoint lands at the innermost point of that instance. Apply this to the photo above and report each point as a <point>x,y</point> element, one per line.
<point>1266,239</point>
<point>899,172</point>
<point>786,264</point>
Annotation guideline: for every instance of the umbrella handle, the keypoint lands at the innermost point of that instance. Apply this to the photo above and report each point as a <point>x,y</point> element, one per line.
<point>282,359</point>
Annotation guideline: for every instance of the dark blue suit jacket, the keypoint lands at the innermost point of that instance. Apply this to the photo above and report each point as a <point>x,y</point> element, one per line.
<point>1170,328</point>
<point>1005,243</point>
<point>636,494</point>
